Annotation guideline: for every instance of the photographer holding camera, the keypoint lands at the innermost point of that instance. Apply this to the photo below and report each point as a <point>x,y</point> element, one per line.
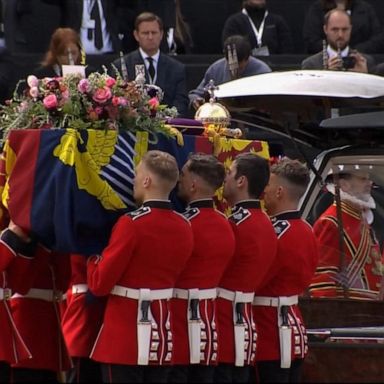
<point>337,55</point>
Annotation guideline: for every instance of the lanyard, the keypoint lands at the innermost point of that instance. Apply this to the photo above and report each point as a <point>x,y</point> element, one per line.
<point>90,4</point>
<point>258,32</point>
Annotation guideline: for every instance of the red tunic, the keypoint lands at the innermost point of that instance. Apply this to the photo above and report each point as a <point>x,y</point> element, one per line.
<point>256,247</point>
<point>290,275</point>
<point>148,248</point>
<point>363,261</point>
<point>39,320</point>
<point>84,312</point>
<point>12,345</point>
<point>214,245</point>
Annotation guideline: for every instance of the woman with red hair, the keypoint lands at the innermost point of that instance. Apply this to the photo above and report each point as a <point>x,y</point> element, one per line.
<point>65,48</point>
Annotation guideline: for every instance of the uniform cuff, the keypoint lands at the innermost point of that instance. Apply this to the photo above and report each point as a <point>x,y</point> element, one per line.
<point>19,246</point>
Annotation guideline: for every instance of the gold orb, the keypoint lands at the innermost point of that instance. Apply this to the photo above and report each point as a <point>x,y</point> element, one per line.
<point>213,113</point>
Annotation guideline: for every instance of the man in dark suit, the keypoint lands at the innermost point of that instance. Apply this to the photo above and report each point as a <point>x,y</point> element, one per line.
<point>166,10</point>
<point>337,54</point>
<point>90,18</point>
<point>28,25</point>
<point>158,68</point>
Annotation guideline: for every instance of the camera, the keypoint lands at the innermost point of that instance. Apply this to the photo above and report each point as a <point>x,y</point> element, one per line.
<point>349,62</point>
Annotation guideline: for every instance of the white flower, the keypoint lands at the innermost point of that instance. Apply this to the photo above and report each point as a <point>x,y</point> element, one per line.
<point>32,81</point>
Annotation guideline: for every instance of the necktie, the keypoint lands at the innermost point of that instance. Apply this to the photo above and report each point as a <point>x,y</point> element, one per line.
<point>151,69</point>
<point>95,15</point>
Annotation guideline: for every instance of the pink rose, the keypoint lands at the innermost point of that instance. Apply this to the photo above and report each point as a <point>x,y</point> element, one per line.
<point>119,101</point>
<point>32,81</point>
<point>50,101</point>
<point>83,86</point>
<point>110,82</point>
<point>99,110</point>
<point>34,92</point>
<point>153,103</point>
<point>123,101</point>
<point>102,95</point>
<point>65,95</point>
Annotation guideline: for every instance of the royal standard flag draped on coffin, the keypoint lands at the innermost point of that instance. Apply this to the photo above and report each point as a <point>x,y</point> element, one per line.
<point>69,187</point>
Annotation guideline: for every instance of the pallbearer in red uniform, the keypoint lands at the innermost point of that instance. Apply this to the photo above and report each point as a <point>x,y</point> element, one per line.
<point>81,322</point>
<point>37,317</point>
<point>16,256</point>
<point>282,340</point>
<point>256,246</point>
<point>193,307</point>
<point>138,269</point>
<point>360,275</point>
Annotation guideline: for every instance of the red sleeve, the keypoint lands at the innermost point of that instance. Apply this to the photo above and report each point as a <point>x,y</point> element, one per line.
<point>62,264</point>
<point>324,280</point>
<point>103,272</point>
<point>7,255</point>
<point>327,235</point>
<point>23,271</point>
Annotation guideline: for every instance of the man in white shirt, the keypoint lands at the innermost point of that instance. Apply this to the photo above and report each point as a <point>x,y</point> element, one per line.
<point>157,67</point>
<point>96,21</point>
<point>337,54</point>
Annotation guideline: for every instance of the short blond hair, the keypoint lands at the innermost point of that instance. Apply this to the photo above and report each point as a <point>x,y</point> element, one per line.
<point>163,165</point>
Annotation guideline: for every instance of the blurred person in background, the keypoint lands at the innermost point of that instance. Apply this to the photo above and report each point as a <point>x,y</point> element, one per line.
<point>166,10</point>
<point>366,30</point>
<point>338,55</point>
<point>229,68</point>
<point>28,25</point>
<point>268,33</point>
<point>65,46</point>
<point>96,21</point>
<point>157,67</point>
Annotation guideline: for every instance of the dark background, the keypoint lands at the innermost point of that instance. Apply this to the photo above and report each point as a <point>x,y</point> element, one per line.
<point>206,19</point>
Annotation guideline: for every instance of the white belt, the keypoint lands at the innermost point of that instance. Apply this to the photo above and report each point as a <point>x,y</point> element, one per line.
<point>41,294</point>
<point>193,316</point>
<point>275,301</point>
<point>79,288</point>
<point>5,293</point>
<point>131,293</point>
<point>202,294</point>
<point>240,297</point>
<point>238,327</point>
<point>285,331</point>
<point>144,326</point>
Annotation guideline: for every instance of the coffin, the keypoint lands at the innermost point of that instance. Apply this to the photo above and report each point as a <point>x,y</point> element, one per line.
<point>68,187</point>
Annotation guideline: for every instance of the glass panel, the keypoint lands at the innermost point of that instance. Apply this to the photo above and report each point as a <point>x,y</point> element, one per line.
<point>348,220</point>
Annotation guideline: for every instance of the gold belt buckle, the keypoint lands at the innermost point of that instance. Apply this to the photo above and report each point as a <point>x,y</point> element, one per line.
<point>7,293</point>
<point>58,296</point>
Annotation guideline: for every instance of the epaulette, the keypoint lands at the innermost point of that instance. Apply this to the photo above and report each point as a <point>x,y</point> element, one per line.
<point>240,215</point>
<point>142,211</point>
<point>281,226</point>
<point>182,215</point>
<point>190,213</point>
